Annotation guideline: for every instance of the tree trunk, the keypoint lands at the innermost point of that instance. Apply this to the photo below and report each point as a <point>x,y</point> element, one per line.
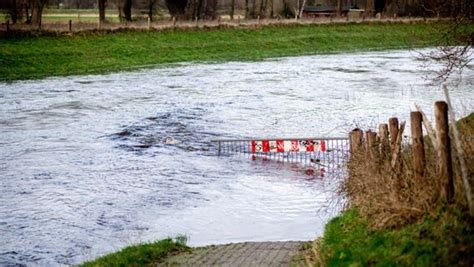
<point>26,6</point>
<point>127,10</point>
<point>339,8</point>
<point>37,11</point>
<point>247,9</point>
<point>271,8</point>
<point>177,8</point>
<point>300,15</point>
<point>232,8</point>
<point>190,9</point>
<point>14,12</point>
<point>254,4</point>
<point>200,8</point>
<point>151,8</point>
<point>101,5</point>
<point>211,9</point>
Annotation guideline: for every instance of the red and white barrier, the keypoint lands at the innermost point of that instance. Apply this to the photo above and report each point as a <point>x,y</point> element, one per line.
<point>280,146</point>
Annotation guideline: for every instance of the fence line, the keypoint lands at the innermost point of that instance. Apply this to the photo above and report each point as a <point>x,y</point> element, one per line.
<point>326,152</point>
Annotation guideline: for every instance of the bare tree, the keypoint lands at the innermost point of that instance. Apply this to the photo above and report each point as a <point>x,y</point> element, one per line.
<point>232,9</point>
<point>37,11</point>
<point>177,8</point>
<point>271,8</point>
<point>151,8</point>
<point>454,48</point>
<point>127,10</point>
<point>101,4</point>
<point>247,11</point>
<point>14,11</point>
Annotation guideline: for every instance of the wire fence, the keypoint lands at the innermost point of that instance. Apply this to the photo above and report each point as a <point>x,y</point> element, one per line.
<point>327,152</point>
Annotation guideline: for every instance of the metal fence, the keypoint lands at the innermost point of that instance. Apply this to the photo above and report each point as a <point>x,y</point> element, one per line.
<point>329,152</point>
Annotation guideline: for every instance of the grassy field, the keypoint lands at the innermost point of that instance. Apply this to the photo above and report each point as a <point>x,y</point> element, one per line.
<point>100,52</point>
<point>141,255</point>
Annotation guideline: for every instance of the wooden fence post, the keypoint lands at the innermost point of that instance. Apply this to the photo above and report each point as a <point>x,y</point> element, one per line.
<point>444,166</point>
<point>238,20</point>
<point>418,148</point>
<point>384,141</point>
<point>70,25</point>
<point>396,164</point>
<point>149,23</point>
<point>393,127</point>
<point>174,22</point>
<point>460,153</point>
<point>356,140</point>
<point>371,147</point>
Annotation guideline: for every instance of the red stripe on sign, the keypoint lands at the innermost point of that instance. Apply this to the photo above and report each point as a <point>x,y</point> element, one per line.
<point>310,146</point>
<point>323,145</point>
<point>254,146</point>
<point>280,146</point>
<point>266,146</point>
<point>295,146</point>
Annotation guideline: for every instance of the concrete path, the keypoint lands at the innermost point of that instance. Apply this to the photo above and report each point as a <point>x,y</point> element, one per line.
<point>240,254</point>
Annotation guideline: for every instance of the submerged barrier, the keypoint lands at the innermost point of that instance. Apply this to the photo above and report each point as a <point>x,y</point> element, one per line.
<point>330,152</point>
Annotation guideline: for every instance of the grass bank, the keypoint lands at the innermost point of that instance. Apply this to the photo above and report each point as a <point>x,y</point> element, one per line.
<point>30,57</point>
<point>444,239</point>
<point>142,255</point>
<point>412,227</point>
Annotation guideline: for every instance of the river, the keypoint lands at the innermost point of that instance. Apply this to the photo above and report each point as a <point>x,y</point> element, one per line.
<point>84,170</point>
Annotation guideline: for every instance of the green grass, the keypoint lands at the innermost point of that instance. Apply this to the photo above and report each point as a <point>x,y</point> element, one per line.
<point>94,53</point>
<point>143,254</point>
<point>446,239</point>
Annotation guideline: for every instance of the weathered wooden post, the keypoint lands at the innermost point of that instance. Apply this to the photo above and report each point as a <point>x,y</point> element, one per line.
<point>396,150</point>
<point>149,23</point>
<point>393,127</point>
<point>371,147</point>
<point>258,20</point>
<point>219,20</point>
<point>356,140</point>
<point>238,20</point>
<point>384,141</point>
<point>70,25</point>
<point>444,166</point>
<point>418,148</point>
<point>197,22</point>
<point>174,22</point>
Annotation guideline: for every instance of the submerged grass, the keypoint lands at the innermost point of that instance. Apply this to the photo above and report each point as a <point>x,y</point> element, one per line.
<point>29,57</point>
<point>141,255</point>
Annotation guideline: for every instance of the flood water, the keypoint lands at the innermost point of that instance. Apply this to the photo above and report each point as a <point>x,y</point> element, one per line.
<point>84,169</point>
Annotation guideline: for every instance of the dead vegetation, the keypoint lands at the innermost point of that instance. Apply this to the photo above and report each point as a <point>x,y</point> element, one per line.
<point>388,192</point>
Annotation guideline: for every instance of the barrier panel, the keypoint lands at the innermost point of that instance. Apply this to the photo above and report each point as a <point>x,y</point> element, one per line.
<point>330,152</point>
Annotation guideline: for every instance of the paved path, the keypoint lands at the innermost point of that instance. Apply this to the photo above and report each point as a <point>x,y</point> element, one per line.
<point>239,254</point>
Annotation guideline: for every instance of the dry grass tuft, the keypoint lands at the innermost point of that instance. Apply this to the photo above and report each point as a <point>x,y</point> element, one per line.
<point>391,196</point>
